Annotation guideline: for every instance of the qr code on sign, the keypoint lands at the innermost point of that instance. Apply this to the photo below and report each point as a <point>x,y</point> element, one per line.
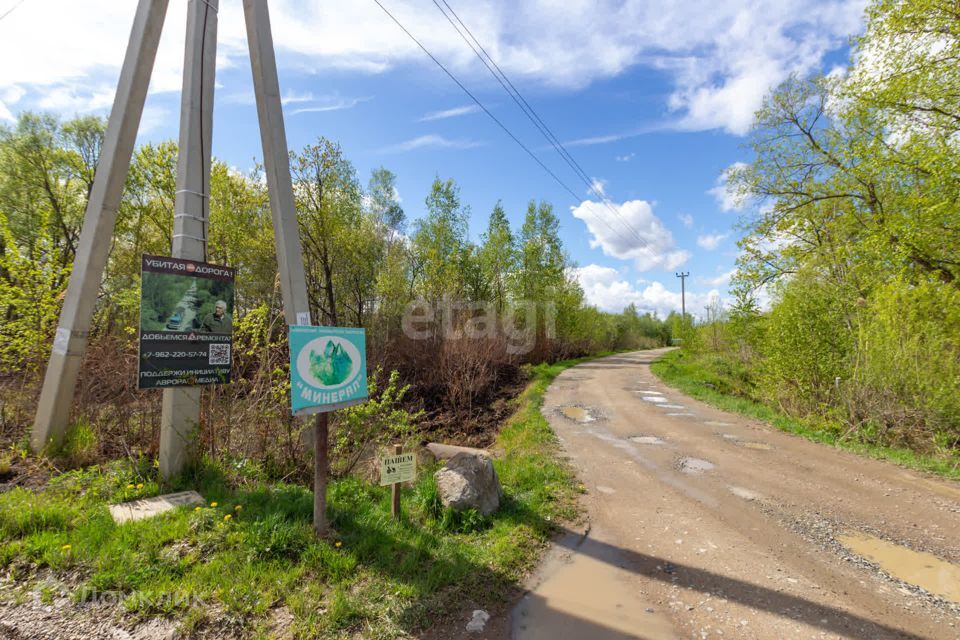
<point>220,353</point>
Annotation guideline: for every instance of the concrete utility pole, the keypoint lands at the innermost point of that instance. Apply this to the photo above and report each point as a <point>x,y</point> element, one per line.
<point>180,414</point>
<point>60,380</point>
<point>683,294</point>
<point>191,213</point>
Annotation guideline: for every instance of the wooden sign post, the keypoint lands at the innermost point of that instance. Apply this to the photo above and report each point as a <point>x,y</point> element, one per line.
<point>394,470</point>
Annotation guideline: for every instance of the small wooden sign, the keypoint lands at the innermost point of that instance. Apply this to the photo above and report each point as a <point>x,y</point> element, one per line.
<point>398,468</point>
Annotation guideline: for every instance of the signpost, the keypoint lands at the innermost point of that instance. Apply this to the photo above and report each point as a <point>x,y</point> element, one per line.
<point>186,311</point>
<point>395,469</point>
<point>328,368</point>
<point>400,467</point>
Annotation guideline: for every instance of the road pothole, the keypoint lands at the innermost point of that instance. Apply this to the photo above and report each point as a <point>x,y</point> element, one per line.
<point>757,446</point>
<point>654,440</point>
<point>746,494</point>
<point>577,414</point>
<point>717,423</point>
<point>656,399</point>
<point>673,406</point>
<point>695,465</point>
<point>921,569</point>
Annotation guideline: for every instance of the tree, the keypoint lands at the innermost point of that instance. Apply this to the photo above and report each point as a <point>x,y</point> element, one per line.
<point>329,203</point>
<point>384,203</point>
<point>498,257</point>
<point>440,241</point>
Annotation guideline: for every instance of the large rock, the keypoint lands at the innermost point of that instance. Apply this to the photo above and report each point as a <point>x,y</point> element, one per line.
<point>469,480</point>
<point>447,451</point>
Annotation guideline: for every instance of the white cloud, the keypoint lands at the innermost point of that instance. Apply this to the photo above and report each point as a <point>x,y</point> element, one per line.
<point>686,219</point>
<point>292,97</point>
<point>626,157</point>
<point>630,231</point>
<point>337,104</point>
<point>598,187</point>
<point>720,58</point>
<point>710,241</point>
<point>721,280</point>
<point>430,141</point>
<point>609,290</point>
<point>450,113</point>
<point>724,193</point>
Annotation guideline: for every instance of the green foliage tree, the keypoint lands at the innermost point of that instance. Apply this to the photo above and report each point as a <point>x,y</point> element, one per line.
<point>440,243</point>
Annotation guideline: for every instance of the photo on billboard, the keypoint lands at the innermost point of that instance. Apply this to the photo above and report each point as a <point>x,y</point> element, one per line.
<point>186,322</point>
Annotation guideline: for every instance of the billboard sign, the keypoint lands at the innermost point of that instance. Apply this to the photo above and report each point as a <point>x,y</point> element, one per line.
<point>186,323</point>
<point>328,368</point>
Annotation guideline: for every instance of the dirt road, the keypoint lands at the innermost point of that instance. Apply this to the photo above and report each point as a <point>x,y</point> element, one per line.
<point>703,524</point>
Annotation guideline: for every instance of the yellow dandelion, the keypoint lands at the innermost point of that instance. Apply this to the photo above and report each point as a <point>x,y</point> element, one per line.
<point>196,509</point>
<point>65,547</point>
<point>130,486</point>
<point>338,544</point>
<point>140,485</point>
<point>213,504</point>
<point>227,517</point>
<point>239,507</point>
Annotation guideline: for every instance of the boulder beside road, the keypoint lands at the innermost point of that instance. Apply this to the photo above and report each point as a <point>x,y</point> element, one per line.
<point>447,451</point>
<point>469,480</point>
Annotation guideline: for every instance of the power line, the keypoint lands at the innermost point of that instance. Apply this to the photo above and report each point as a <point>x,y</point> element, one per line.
<point>476,100</point>
<point>487,111</point>
<point>531,113</point>
<point>11,9</point>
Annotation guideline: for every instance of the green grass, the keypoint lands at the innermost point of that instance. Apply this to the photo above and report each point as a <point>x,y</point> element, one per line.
<point>252,548</point>
<point>726,385</point>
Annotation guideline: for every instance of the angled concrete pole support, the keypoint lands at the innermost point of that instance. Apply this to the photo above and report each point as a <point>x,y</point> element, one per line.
<point>180,414</point>
<point>60,381</point>
<point>276,161</point>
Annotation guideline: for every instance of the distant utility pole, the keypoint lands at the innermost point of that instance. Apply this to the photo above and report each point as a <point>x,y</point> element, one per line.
<point>683,293</point>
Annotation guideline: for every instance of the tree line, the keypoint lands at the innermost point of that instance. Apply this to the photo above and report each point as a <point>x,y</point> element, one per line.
<point>438,307</point>
<point>853,228</point>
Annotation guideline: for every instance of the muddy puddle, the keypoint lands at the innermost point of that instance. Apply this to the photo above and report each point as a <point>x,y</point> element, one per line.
<point>657,399</point>
<point>673,406</point>
<point>577,414</point>
<point>589,595</point>
<point>647,440</point>
<point>676,414</point>
<point>924,570</point>
<point>695,465</point>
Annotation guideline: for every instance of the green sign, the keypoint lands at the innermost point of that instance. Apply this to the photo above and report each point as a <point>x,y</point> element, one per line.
<point>398,468</point>
<point>328,368</point>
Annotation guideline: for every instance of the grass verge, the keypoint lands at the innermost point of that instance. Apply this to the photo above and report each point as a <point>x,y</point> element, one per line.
<point>720,383</point>
<point>230,567</point>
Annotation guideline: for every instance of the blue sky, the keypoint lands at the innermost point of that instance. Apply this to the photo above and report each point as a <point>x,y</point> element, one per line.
<point>652,98</point>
